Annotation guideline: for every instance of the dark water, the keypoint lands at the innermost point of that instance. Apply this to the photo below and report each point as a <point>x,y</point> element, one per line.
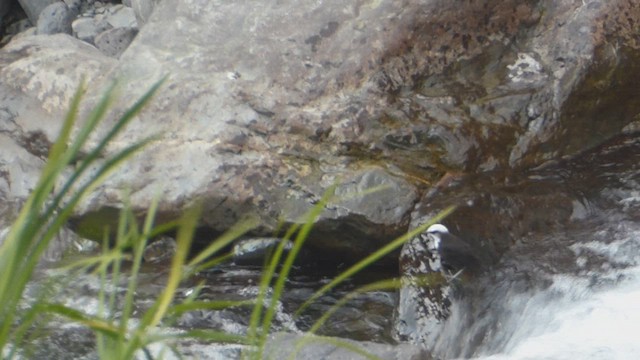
<point>366,317</point>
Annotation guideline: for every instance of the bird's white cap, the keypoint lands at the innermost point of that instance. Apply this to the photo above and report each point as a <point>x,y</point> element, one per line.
<point>437,228</point>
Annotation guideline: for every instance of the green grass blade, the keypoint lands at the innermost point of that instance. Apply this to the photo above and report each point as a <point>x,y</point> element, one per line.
<point>41,216</point>
<point>92,322</point>
<point>302,235</point>
<point>138,253</point>
<point>91,124</point>
<point>209,264</point>
<point>213,336</point>
<point>374,257</point>
<point>225,239</point>
<point>209,305</point>
<point>183,244</point>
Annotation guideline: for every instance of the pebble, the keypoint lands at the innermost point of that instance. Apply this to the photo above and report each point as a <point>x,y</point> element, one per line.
<point>120,16</point>
<point>114,42</point>
<point>86,28</point>
<point>55,18</point>
<point>110,27</point>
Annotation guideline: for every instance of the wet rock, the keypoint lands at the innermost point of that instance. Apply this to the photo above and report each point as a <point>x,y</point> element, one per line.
<point>159,250</point>
<point>264,125</point>
<point>492,214</point>
<point>254,251</point>
<point>55,18</point>
<point>69,342</point>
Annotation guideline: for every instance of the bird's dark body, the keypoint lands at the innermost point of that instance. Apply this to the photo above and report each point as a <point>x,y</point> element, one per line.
<point>456,255</point>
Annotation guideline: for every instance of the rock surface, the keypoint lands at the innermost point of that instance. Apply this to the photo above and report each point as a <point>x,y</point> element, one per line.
<point>268,105</point>
<point>84,19</point>
<point>282,346</point>
<point>55,18</point>
<point>33,8</point>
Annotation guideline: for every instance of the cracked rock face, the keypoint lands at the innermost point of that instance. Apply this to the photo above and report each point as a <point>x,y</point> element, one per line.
<point>268,105</point>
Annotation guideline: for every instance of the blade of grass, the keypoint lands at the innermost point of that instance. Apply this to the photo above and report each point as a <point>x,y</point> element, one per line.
<point>92,322</point>
<point>209,264</point>
<point>387,284</point>
<point>374,257</point>
<point>26,226</point>
<point>40,218</point>
<point>209,305</point>
<point>138,253</point>
<point>208,335</point>
<point>254,331</point>
<point>220,243</point>
<point>183,244</point>
<point>302,235</point>
<point>94,118</point>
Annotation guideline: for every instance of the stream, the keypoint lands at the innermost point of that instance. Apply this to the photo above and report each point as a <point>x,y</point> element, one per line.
<point>566,292</point>
<point>563,292</point>
<point>589,312</point>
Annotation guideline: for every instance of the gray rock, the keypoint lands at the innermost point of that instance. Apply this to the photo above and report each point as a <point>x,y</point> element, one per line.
<point>143,9</point>
<point>56,18</point>
<point>121,16</point>
<point>86,28</point>
<point>159,250</point>
<point>267,106</point>
<point>75,5</point>
<point>113,42</point>
<point>254,251</point>
<point>17,27</point>
<point>24,128</point>
<point>309,347</point>
<point>33,8</point>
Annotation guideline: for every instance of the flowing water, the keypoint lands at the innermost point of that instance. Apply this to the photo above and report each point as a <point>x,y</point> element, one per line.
<point>367,317</point>
<point>593,313</point>
<point>572,292</point>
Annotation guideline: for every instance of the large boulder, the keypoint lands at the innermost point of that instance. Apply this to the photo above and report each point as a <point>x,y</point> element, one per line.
<point>39,76</point>
<point>266,106</point>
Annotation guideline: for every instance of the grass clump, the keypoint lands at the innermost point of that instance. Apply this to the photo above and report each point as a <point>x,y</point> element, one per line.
<point>46,211</point>
<point>122,331</point>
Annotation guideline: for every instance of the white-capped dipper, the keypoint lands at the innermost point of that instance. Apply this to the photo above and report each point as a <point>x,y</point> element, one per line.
<point>455,254</point>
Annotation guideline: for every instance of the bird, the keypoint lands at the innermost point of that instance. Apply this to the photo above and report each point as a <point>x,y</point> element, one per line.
<point>455,254</point>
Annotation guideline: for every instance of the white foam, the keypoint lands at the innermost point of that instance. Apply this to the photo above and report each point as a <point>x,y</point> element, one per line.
<point>581,323</point>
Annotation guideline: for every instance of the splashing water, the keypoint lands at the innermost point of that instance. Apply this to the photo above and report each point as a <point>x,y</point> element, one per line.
<point>594,314</point>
